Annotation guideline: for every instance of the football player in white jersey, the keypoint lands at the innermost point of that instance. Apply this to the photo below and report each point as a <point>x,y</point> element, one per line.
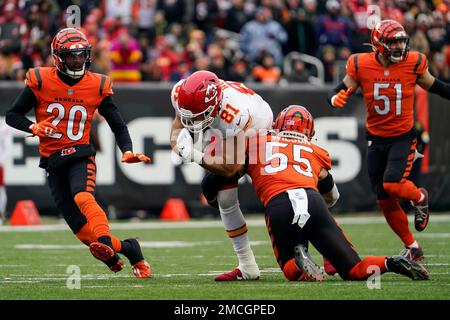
<point>207,106</point>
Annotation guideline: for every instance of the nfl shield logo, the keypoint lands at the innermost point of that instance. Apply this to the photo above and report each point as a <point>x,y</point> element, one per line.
<point>70,92</point>
<point>386,72</point>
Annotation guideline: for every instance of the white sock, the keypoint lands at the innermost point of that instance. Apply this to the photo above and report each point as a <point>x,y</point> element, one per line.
<point>233,219</point>
<point>414,245</point>
<point>3,199</point>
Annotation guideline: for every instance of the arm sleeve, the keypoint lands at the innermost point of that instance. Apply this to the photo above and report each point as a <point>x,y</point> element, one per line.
<point>15,117</point>
<point>441,88</point>
<point>115,121</point>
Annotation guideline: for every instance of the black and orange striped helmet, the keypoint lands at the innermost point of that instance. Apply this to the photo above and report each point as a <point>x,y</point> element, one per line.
<point>297,119</point>
<point>386,32</point>
<point>71,52</point>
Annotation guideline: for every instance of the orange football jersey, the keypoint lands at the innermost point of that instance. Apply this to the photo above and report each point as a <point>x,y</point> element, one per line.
<point>72,106</point>
<point>388,91</point>
<point>277,164</point>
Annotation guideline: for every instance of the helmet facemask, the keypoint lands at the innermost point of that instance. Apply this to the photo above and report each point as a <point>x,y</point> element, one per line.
<point>198,122</point>
<point>74,62</point>
<point>399,52</point>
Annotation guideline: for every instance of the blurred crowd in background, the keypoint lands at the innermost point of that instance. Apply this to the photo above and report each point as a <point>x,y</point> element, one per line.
<point>268,41</point>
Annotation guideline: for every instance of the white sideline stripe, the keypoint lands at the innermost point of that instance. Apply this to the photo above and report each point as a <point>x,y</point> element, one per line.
<point>433,235</point>
<point>197,224</point>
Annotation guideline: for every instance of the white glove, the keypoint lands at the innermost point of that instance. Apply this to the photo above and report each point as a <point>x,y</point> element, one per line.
<point>185,146</point>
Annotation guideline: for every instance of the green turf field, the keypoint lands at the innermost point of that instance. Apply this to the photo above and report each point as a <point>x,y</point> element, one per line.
<point>185,257</point>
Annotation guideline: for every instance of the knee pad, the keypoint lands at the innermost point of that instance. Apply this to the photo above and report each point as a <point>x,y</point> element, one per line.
<point>228,200</point>
<point>83,198</point>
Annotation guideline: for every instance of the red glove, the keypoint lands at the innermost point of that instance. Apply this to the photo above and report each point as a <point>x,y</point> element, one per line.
<point>44,128</point>
<point>130,157</point>
<point>340,99</point>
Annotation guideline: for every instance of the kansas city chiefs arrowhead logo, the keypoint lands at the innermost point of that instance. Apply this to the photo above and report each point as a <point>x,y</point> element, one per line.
<point>211,92</point>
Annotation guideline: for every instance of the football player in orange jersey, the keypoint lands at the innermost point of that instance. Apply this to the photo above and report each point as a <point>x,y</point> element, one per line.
<point>387,78</point>
<point>64,99</point>
<point>287,172</point>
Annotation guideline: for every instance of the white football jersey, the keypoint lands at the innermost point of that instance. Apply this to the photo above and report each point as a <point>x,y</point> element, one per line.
<point>241,109</point>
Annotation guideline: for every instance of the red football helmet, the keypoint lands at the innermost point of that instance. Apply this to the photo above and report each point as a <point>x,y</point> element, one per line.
<point>388,33</point>
<point>295,120</point>
<point>198,100</point>
<point>71,52</point>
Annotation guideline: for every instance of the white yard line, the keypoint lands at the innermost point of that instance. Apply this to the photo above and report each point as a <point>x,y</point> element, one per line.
<point>197,224</point>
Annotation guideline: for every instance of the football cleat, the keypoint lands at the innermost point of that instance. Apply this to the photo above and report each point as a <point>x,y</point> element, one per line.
<point>311,271</point>
<point>107,255</point>
<point>414,254</point>
<point>328,267</point>
<point>421,212</point>
<point>406,267</point>
<point>235,275</point>
<point>141,269</point>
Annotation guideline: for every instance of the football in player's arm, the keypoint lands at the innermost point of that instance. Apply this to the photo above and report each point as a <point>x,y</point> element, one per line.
<point>387,78</point>
<point>64,99</point>
<point>217,113</point>
<point>285,167</point>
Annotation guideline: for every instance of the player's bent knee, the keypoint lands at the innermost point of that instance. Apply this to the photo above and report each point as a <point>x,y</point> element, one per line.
<point>83,198</point>
<point>228,200</point>
<point>392,188</point>
<point>210,186</point>
<point>85,235</point>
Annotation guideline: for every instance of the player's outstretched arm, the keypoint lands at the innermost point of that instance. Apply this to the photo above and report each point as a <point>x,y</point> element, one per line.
<point>131,157</point>
<point>339,95</point>
<point>433,85</point>
<point>118,126</point>
<point>24,102</point>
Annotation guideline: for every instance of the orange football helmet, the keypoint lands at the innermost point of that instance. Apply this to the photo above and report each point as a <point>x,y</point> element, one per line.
<point>385,34</point>
<point>71,52</point>
<point>295,119</point>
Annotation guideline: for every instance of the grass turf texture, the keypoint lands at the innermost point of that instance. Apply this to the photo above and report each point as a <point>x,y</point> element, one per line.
<point>186,272</point>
